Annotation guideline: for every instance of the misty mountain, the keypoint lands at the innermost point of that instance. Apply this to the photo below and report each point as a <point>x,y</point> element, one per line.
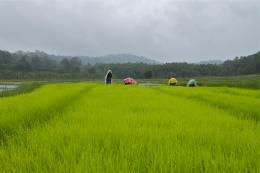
<point>217,62</point>
<point>118,59</point>
<point>107,59</point>
<point>39,65</point>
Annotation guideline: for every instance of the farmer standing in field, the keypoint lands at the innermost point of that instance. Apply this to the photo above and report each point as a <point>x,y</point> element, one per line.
<point>108,77</point>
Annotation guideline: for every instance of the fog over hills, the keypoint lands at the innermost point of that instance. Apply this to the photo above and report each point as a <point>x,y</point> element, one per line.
<point>164,30</point>
<point>211,62</point>
<point>107,59</point>
<point>118,58</point>
<point>39,65</point>
<point>122,58</point>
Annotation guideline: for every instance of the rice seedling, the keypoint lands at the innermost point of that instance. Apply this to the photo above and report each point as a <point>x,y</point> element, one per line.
<point>97,128</point>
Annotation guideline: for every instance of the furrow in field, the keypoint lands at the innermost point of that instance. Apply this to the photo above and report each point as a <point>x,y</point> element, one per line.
<point>40,111</point>
<point>238,105</point>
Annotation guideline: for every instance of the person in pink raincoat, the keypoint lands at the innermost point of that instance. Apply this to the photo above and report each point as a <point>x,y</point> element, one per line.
<point>129,81</point>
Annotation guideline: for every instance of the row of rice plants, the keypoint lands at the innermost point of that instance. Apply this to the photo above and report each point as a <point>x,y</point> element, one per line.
<point>135,129</point>
<point>29,110</point>
<point>242,105</point>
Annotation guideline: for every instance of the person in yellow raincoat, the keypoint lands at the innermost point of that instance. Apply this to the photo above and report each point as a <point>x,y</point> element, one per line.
<point>172,81</point>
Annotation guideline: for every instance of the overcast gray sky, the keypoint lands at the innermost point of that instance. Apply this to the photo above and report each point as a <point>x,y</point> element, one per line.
<point>166,30</point>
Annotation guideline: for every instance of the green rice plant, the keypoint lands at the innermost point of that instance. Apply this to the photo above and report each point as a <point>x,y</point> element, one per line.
<point>243,103</point>
<point>131,129</point>
<point>26,111</point>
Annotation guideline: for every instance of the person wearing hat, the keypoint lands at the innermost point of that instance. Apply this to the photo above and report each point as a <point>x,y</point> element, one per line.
<point>108,77</point>
<point>172,82</point>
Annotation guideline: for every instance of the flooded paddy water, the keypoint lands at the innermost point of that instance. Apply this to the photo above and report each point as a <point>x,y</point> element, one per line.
<point>4,87</point>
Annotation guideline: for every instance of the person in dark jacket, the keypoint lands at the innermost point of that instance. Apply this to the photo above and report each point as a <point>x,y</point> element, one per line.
<point>108,77</point>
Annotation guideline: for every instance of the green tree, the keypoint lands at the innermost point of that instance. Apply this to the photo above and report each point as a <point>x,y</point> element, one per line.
<point>148,74</point>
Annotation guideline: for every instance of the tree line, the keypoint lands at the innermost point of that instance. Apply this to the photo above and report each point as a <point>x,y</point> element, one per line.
<point>23,66</point>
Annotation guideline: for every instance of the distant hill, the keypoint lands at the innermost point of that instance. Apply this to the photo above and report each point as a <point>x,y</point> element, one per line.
<point>118,59</point>
<point>107,59</point>
<point>39,65</point>
<point>217,62</point>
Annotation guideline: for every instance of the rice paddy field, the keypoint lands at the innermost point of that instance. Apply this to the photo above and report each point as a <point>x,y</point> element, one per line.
<point>88,127</point>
